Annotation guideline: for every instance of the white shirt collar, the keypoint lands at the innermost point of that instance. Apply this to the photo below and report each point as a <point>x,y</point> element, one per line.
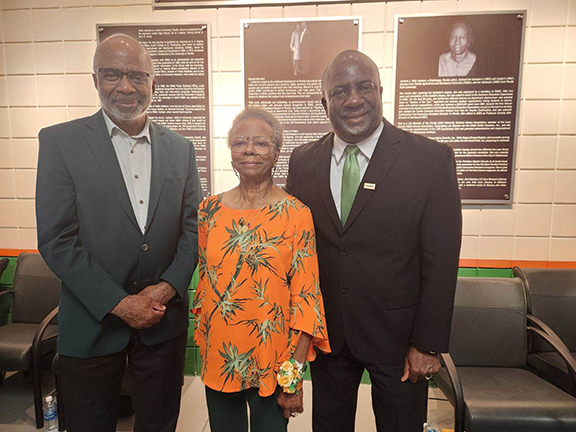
<point>111,126</point>
<point>366,147</point>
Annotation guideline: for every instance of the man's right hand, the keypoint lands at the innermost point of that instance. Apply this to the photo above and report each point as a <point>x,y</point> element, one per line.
<point>139,311</point>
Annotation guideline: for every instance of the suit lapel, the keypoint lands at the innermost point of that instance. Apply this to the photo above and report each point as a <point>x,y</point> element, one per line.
<point>322,160</point>
<point>383,158</point>
<point>160,153</point>
<point>103,149</point>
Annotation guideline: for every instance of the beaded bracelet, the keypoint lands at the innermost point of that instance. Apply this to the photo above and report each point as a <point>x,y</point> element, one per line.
<point>290,376</point>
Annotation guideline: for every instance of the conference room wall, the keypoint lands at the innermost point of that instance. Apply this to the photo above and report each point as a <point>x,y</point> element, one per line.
<point>46,49</point>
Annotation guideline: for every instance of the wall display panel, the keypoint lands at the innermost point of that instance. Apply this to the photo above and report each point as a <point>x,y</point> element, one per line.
<point>457,82</point>
<point>181,102</point>
<point>283,61</point>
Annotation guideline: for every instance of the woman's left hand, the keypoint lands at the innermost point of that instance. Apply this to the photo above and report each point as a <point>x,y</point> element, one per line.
<point>292,404</point>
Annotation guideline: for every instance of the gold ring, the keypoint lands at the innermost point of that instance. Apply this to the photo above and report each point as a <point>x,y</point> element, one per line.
<point>428,377</point>
<point>293,414</point>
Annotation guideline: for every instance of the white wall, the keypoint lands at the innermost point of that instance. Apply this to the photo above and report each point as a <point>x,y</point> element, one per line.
<point>46,49</point>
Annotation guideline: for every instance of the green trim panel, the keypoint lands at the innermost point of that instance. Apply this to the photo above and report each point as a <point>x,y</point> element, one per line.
<point>8,275</point>
<point>190,342</point>
<point>190,363</point>
<point>467,272</point>
<point>500,272</point>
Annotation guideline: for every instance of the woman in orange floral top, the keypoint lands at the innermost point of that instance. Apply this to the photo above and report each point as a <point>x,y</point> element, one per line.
<point>258,304</point>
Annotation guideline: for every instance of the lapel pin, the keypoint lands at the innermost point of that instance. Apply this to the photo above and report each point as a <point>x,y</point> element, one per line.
<point>370,186</point>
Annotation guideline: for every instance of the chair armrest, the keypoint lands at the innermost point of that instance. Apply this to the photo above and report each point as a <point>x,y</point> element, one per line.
<point>10,291</point>
<point>459,407</point>
<point>537,322</point>
<point>40,334</point>
<point>561,349</point>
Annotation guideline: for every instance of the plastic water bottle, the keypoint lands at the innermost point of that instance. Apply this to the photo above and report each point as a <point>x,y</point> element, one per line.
<point>431,427</point>
<point>50,415</point>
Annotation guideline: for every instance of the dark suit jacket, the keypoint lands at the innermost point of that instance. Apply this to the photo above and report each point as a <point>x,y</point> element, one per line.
<point>305,48</point>
<point>388,277</point>
<point>89,236</point>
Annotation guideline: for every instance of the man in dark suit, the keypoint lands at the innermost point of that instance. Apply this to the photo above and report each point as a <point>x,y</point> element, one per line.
<point>116,208</point>
<point>387,214</point>
<point>305,48</point>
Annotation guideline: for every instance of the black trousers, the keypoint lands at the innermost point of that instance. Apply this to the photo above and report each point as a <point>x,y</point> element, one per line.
<point>398,406</point>
<point>91,387</point>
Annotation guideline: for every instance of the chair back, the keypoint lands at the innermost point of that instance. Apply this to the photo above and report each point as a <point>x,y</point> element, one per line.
<point>551,297</point>
<point>489,323</point>
<point>36,289</point>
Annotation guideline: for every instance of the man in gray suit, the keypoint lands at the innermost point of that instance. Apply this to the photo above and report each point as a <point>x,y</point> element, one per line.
<point>116,204</point>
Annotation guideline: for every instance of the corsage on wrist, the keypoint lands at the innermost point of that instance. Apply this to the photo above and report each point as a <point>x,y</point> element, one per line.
<point>290,376</point>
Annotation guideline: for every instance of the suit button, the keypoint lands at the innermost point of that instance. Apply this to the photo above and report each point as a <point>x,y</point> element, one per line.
<point>345,289</point>
<point>345,251</point>
<point>144,247</point>
<point>135,282</point>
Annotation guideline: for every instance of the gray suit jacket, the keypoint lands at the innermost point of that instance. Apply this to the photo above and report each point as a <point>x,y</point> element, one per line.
<point>89,236</point>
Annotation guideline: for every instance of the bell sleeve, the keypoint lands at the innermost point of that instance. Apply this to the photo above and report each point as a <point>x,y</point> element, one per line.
<point>307,307</point>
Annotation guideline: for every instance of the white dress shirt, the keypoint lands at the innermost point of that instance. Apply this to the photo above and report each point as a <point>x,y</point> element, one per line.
<point>339,156</point>
<point>134,155</point>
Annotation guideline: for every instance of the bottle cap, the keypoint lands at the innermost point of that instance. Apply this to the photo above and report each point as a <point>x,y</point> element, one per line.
<point>48,399</point>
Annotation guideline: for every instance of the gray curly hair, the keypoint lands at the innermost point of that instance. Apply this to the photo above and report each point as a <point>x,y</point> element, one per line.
<point>265,116</point>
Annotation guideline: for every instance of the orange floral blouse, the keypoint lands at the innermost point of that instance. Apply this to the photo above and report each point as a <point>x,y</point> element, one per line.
<point>258,290</point>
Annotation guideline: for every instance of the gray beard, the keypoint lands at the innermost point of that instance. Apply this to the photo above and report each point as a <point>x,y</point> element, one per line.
<point>124,116</point>
<point>357,130</point>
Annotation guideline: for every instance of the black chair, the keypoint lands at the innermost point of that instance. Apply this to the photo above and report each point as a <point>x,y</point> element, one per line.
<point>3,265</point>
<point>552,307</point>
<point>33,331</point>
<point>485,376</point>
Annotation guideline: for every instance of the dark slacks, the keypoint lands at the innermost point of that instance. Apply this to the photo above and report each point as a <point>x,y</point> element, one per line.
<point>228,411</point>
<point>398,406</point>
<point>91,387</point>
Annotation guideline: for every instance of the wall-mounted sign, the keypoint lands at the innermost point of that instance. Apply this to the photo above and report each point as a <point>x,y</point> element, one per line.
<point>181,102</point>
<point>457,82</point>
<point>283,61</point>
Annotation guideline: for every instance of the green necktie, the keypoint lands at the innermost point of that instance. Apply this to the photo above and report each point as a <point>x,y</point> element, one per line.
<point>350,181</point>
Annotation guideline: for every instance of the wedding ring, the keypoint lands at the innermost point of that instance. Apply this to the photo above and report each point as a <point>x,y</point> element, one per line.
<point>293,414</point>
<point>428,377</point>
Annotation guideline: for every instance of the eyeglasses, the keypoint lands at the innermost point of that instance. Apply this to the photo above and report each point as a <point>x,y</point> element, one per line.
<point>114,76</point>
<point>260,146</point>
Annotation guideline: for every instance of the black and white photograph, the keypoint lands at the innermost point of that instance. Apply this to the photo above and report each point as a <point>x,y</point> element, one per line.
<point>457,82</point>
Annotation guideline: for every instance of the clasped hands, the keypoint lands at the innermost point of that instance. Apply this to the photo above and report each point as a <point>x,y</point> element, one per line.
<point>146,308</point>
